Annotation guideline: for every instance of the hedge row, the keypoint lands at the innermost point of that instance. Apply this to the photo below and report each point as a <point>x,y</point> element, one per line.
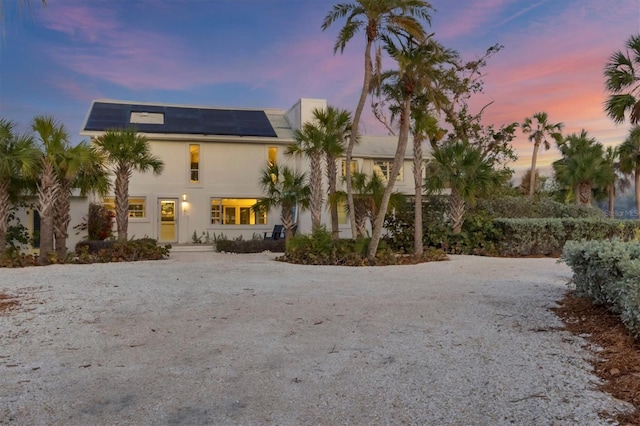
<point>608,273</point>
<point>249,246</point>
<point>547,237</point>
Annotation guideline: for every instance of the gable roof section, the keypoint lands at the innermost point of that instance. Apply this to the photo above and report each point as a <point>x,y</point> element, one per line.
<point>105,115</point>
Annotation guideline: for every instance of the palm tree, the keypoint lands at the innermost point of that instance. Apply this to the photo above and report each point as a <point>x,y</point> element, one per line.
<point>376,18</point>
<point>18,160</point>
<point>309,143</point>
<point>616,180</point>
<point>81,166</point>
<point>22,4</point>
<point>367,197</point>
<point>336,124</point>
<point>526,181</point>
<point>622,74</point>
<point>126,151</point>
<point>54,141</point>
<point>582,166</point>
<point>414,83</point>
<point>462,168</point>
<point>538,135</point>
<point>629,153</point>
<point>286,189</point>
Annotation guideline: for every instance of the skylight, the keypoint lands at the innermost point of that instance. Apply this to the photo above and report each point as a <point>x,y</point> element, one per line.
<point>147,118</point>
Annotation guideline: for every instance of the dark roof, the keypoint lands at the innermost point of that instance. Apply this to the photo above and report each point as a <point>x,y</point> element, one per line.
<point>181,120</point>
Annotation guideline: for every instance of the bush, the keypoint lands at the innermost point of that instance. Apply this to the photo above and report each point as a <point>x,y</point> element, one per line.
<point>249,246</point>
<point>98,223</point>
<point>524,207</point>
<point>608,273</point>
<point>524,237</point>
<point>93,246</point>
<point>320,248</point>
<point>119,251</point>
<point>12,257</point>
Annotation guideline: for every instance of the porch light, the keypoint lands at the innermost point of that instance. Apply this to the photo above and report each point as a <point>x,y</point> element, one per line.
<point>184,197</point>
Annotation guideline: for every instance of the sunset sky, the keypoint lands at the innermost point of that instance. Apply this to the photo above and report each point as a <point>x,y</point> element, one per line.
<point>269,53</point>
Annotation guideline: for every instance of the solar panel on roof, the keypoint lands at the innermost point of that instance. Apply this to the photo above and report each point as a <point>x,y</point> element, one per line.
<point>181,120</point>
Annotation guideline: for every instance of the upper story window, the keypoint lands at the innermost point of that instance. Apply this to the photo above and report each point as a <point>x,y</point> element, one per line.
<point>272,155</point>
<point>354,167</point>
<point>383,169</point>
<point>194,163</point>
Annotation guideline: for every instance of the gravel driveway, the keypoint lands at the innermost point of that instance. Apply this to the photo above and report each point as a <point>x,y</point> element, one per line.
<point>208,338</point>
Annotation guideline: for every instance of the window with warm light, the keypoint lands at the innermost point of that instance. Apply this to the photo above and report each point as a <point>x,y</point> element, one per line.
<point>236,211</point>
<point>382,168</point>
<point>354,167</point>
<point>272,155</point>
<point>137,206</point>
<point>194,163</point>
<point>343,216</point>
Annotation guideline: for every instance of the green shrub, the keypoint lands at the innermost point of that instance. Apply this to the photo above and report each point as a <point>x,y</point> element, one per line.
<point>12,257</point>
<point>121,251</point>
<point>250,246</point>
<point>93,246</point>
<point>524,207</point>
<point>608,273</point>
<point>98,223</point>
<point>524,237</point>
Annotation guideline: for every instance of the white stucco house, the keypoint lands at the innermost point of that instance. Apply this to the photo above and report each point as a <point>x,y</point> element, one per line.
<point>213,158</point>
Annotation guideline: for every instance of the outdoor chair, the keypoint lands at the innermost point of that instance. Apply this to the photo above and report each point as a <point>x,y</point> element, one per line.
<point>276,234</point>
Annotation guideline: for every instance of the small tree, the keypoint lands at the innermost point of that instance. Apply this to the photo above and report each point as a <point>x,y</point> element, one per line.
<point>461,168</point>
<point>285,189</point>
<point>126,151</point>
<point>582,167</point>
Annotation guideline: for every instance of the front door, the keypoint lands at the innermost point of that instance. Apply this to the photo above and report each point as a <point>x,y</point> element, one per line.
<point>168,218</point>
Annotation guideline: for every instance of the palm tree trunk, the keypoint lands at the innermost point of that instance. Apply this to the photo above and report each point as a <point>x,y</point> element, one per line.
<point>368,66</point>
<point>418,247</point>
<point>332,183</point>
<point>61,220</point>
<point>457,209</point>
<point>4,214</point>
<point>403,138</point>
<point>637,183</point>
<point>286,216</point>
<point>585,193</point>
<point>361,213</point>
<point>315,182</point>
<point>576,195</point>
<point>612,200</point>
<point>532,175</point>
<point>48,189</point>
<point>122,202</point>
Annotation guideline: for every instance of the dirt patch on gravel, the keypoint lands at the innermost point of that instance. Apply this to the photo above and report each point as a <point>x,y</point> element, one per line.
<point>7,302</point>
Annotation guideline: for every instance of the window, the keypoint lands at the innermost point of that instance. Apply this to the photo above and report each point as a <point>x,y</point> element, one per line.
<point>272,155</point>
<point>383,169</point>
<point>194,161</point>
<point>137,206</point>
<point>343,216</point>
<point>236,211</point>
<point>354,167</point>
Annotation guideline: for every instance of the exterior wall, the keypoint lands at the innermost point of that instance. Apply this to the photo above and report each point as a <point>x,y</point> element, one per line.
<point>79,210</point>
<point>226,170</point>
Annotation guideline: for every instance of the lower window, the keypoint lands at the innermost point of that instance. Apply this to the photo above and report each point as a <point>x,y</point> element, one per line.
<point>236,211</point>
<point>137,206</point>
